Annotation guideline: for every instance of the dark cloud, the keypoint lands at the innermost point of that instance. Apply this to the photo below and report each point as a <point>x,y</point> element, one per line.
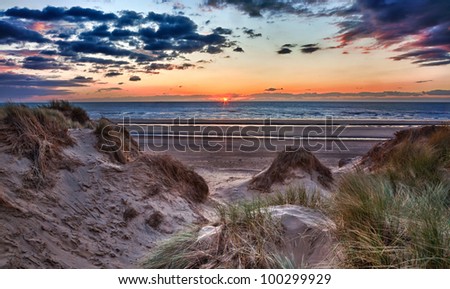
<point>101,61</point>
<point>171,26</point>
<point>224,31</point>
<point>69,48</point>
<point>438,92</point>
<point>49,52</point>
<point>423,81</point>
<point>74,48</point>
<point>176,33</point>
<point>121,34</point>
<point>14,79</point>
<point>309,48</point>
<point>392,22</point>
<point>255,8</point>
<point>270,89</point>
<point>164,37</point>
<point>63,35</point>
<point>14,85</point>
<point>7,62</point>
<point>426,57</point>
<point>213,49</point>
<point>185,66</point>
<point>284,50</point>
<point>77,13</point>
<point>43,63</point>
<point>159,66</point>
<point>109,89</point>
<point>436,63</point>
<point>135,78</point>
<point>238,49</point>
<point>99,31</point>
<point>103,31</point>
<point>158,44</point>
<point>129,18</point>
<point>50,13</point>
<point>12,93</point>
<point>289,45</point>
<point>369,95</point>
<point>251,33</point>
<point>437,36</point>
<point>82,79</point>
<point>10,33</point>
<point>113,73</point>
<point>167,66</point>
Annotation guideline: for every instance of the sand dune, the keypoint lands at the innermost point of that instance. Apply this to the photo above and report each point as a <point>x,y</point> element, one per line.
<point>98,214</point>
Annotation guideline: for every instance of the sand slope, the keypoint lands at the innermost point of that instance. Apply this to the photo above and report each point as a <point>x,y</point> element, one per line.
<point>98,214</point>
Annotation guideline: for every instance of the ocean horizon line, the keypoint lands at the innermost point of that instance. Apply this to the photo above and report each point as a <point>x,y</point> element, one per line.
<point>239,101</point>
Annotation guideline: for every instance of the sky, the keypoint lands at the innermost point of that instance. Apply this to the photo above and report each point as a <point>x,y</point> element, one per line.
<point>211,50</point>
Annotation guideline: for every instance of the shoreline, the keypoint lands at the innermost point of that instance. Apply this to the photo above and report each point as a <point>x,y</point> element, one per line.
<point>279,130</point>
<point>299,122</point>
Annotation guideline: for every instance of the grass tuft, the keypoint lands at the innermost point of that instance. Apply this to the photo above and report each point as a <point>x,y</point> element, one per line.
<point>398,215</point>
<point>38,134</point>
<point>71,112</point>
<point>174,174</point>
<point>247,237</point>
<point>387,226</point>
<point>417,151</point>
<point>297,196</point>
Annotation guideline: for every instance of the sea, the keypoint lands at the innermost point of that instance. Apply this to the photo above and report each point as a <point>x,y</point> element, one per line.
<point>266,110</point>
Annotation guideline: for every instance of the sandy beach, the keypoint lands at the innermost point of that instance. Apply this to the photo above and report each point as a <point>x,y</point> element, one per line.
<point>220,159</point>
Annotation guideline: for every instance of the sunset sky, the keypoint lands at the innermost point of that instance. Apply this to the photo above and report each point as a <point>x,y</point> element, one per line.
<point>197,50</point>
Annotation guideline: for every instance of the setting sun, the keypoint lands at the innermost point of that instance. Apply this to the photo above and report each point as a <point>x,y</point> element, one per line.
<point>225,99</point>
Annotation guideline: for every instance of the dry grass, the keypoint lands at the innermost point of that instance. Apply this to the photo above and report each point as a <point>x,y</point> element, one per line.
<point>248,238</point>
<point>382,225</point>
<point>398,215</point>
<point>440,140</point>
<point>173,174</point>
<point>285,162</point>
<point>297,196</point>
<point>413,157</point>
<point>74,113</point>
<point>179,252</point>
<point>38,134</point>
<point>436,137</point>
<point>116,141</point>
